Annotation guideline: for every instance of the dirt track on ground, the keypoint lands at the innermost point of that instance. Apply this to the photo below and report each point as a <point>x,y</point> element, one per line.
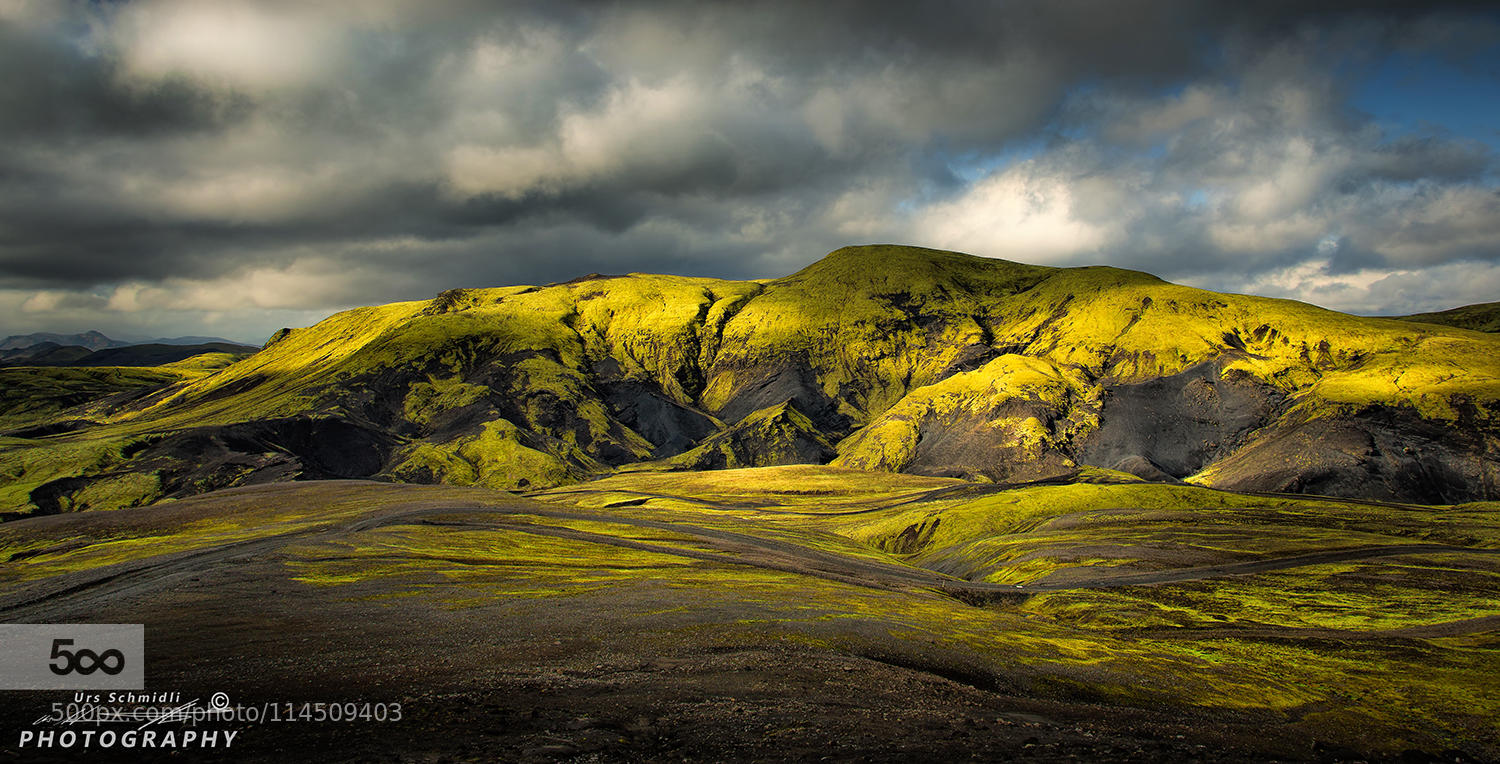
<point>42,600</point>
<point>630,672</point>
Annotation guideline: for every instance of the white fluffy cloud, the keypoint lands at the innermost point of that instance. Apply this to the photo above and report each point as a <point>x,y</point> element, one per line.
<point>1025,213</point>
<point>227,44</point>
<point>655,129</point>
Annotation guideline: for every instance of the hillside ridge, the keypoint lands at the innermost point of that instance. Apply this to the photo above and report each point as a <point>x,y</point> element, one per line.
<point>1481,317</point>
<point>879,357</point>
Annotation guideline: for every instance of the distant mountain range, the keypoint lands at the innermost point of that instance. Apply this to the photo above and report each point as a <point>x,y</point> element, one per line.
<point>94,340</point>
<point>91,340</point>
<point>881,358</point>
<point>93,348</point>
<point>151,354</point>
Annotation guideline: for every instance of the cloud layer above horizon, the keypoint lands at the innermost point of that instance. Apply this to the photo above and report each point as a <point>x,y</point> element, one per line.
<point>180,167</point>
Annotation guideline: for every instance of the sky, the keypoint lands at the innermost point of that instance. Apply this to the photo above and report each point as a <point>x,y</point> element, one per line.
<point>174,167</point>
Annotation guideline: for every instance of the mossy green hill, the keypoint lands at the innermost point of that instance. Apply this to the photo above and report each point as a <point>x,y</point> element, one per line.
<point>882,357</point>
<point>1481,317</point>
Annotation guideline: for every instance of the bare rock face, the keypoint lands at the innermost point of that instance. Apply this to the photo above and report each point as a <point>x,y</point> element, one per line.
<point>1143,468</point>
<point>1182,422</point>
<point>1378,453</point>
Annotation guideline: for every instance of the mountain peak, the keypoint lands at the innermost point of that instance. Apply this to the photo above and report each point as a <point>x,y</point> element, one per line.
<point>901,257</point>
<point>919,271</point>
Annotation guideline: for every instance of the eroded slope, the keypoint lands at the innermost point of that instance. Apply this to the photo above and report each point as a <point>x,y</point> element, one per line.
<point>891,358</point>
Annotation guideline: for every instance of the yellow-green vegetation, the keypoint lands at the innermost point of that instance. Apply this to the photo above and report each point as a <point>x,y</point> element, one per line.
<point>1005,397</point>
<point>1033,534</point>
<point>1094,531</point>
<point>495,458</point>
<point>1026,534</point>
<point>498,562</point>
<point>1375,652</point>
<point>220,518</point>
<point>1228,642</point>
<point>1396,593</point>
<point>1481,317</point>
<point>204,362</point>
<point>772,436</point>
<point>435,396</point>
<point>130,489</point>
<point>25,465</point>
<point>884,320</point>
<point>792,488</point>
<point>37,395</point>
<point>883,351</point>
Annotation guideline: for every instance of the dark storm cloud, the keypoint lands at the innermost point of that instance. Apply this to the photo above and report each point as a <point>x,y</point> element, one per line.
<point>54,91</point>
<point>158,152</point>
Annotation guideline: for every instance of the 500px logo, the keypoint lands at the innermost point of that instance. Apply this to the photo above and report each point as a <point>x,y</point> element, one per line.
<point>85,661</point>
<point>72,656</point>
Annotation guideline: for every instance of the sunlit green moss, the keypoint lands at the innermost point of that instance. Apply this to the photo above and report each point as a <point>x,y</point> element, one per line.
<point>988,395</point>
<point>1482,317</point>
<point>204,363</point>
<point>885,332</point>
<point>478,568</point>
<point>436,395</point>
<point>87,554</point>
<point>804,487</point>
<point>24,467</point>
<point>1385,594</point>
<point>32,395</point>
<point>494,458</point>
<point>131,489</point>
<point>1221,643</point>
<point>34,553</point>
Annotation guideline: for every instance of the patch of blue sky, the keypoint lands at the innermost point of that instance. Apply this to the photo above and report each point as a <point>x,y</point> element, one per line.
<point>974,166</point>
<point>1196,198</point>
<point>1424,93</point>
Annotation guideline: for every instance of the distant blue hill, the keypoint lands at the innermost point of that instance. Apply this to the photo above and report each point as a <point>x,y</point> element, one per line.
<point>95,340</point>
<point>144,354</point>
<point>91,339</point>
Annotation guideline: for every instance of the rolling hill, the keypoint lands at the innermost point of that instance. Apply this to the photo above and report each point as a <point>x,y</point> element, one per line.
<point>1481,317</point>
<point>877,358</point>
<point>143,354</point>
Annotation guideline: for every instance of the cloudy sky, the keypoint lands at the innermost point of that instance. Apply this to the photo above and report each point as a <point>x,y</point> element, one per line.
<point>186,167</point>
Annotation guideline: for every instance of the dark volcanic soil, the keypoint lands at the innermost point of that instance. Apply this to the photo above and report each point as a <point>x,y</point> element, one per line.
<point>638,671</point>
<point>574,679</point>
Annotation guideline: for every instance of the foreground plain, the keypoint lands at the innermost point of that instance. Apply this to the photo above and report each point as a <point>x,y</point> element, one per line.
<point>799,612</point>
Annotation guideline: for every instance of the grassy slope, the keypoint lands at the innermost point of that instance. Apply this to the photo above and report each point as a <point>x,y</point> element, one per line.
<point>773,435</point>
<point>1131,327</point>
<point>1482,317</point>
<point>880,332</point>
<point>33,395</point>
<point>881,320</point>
